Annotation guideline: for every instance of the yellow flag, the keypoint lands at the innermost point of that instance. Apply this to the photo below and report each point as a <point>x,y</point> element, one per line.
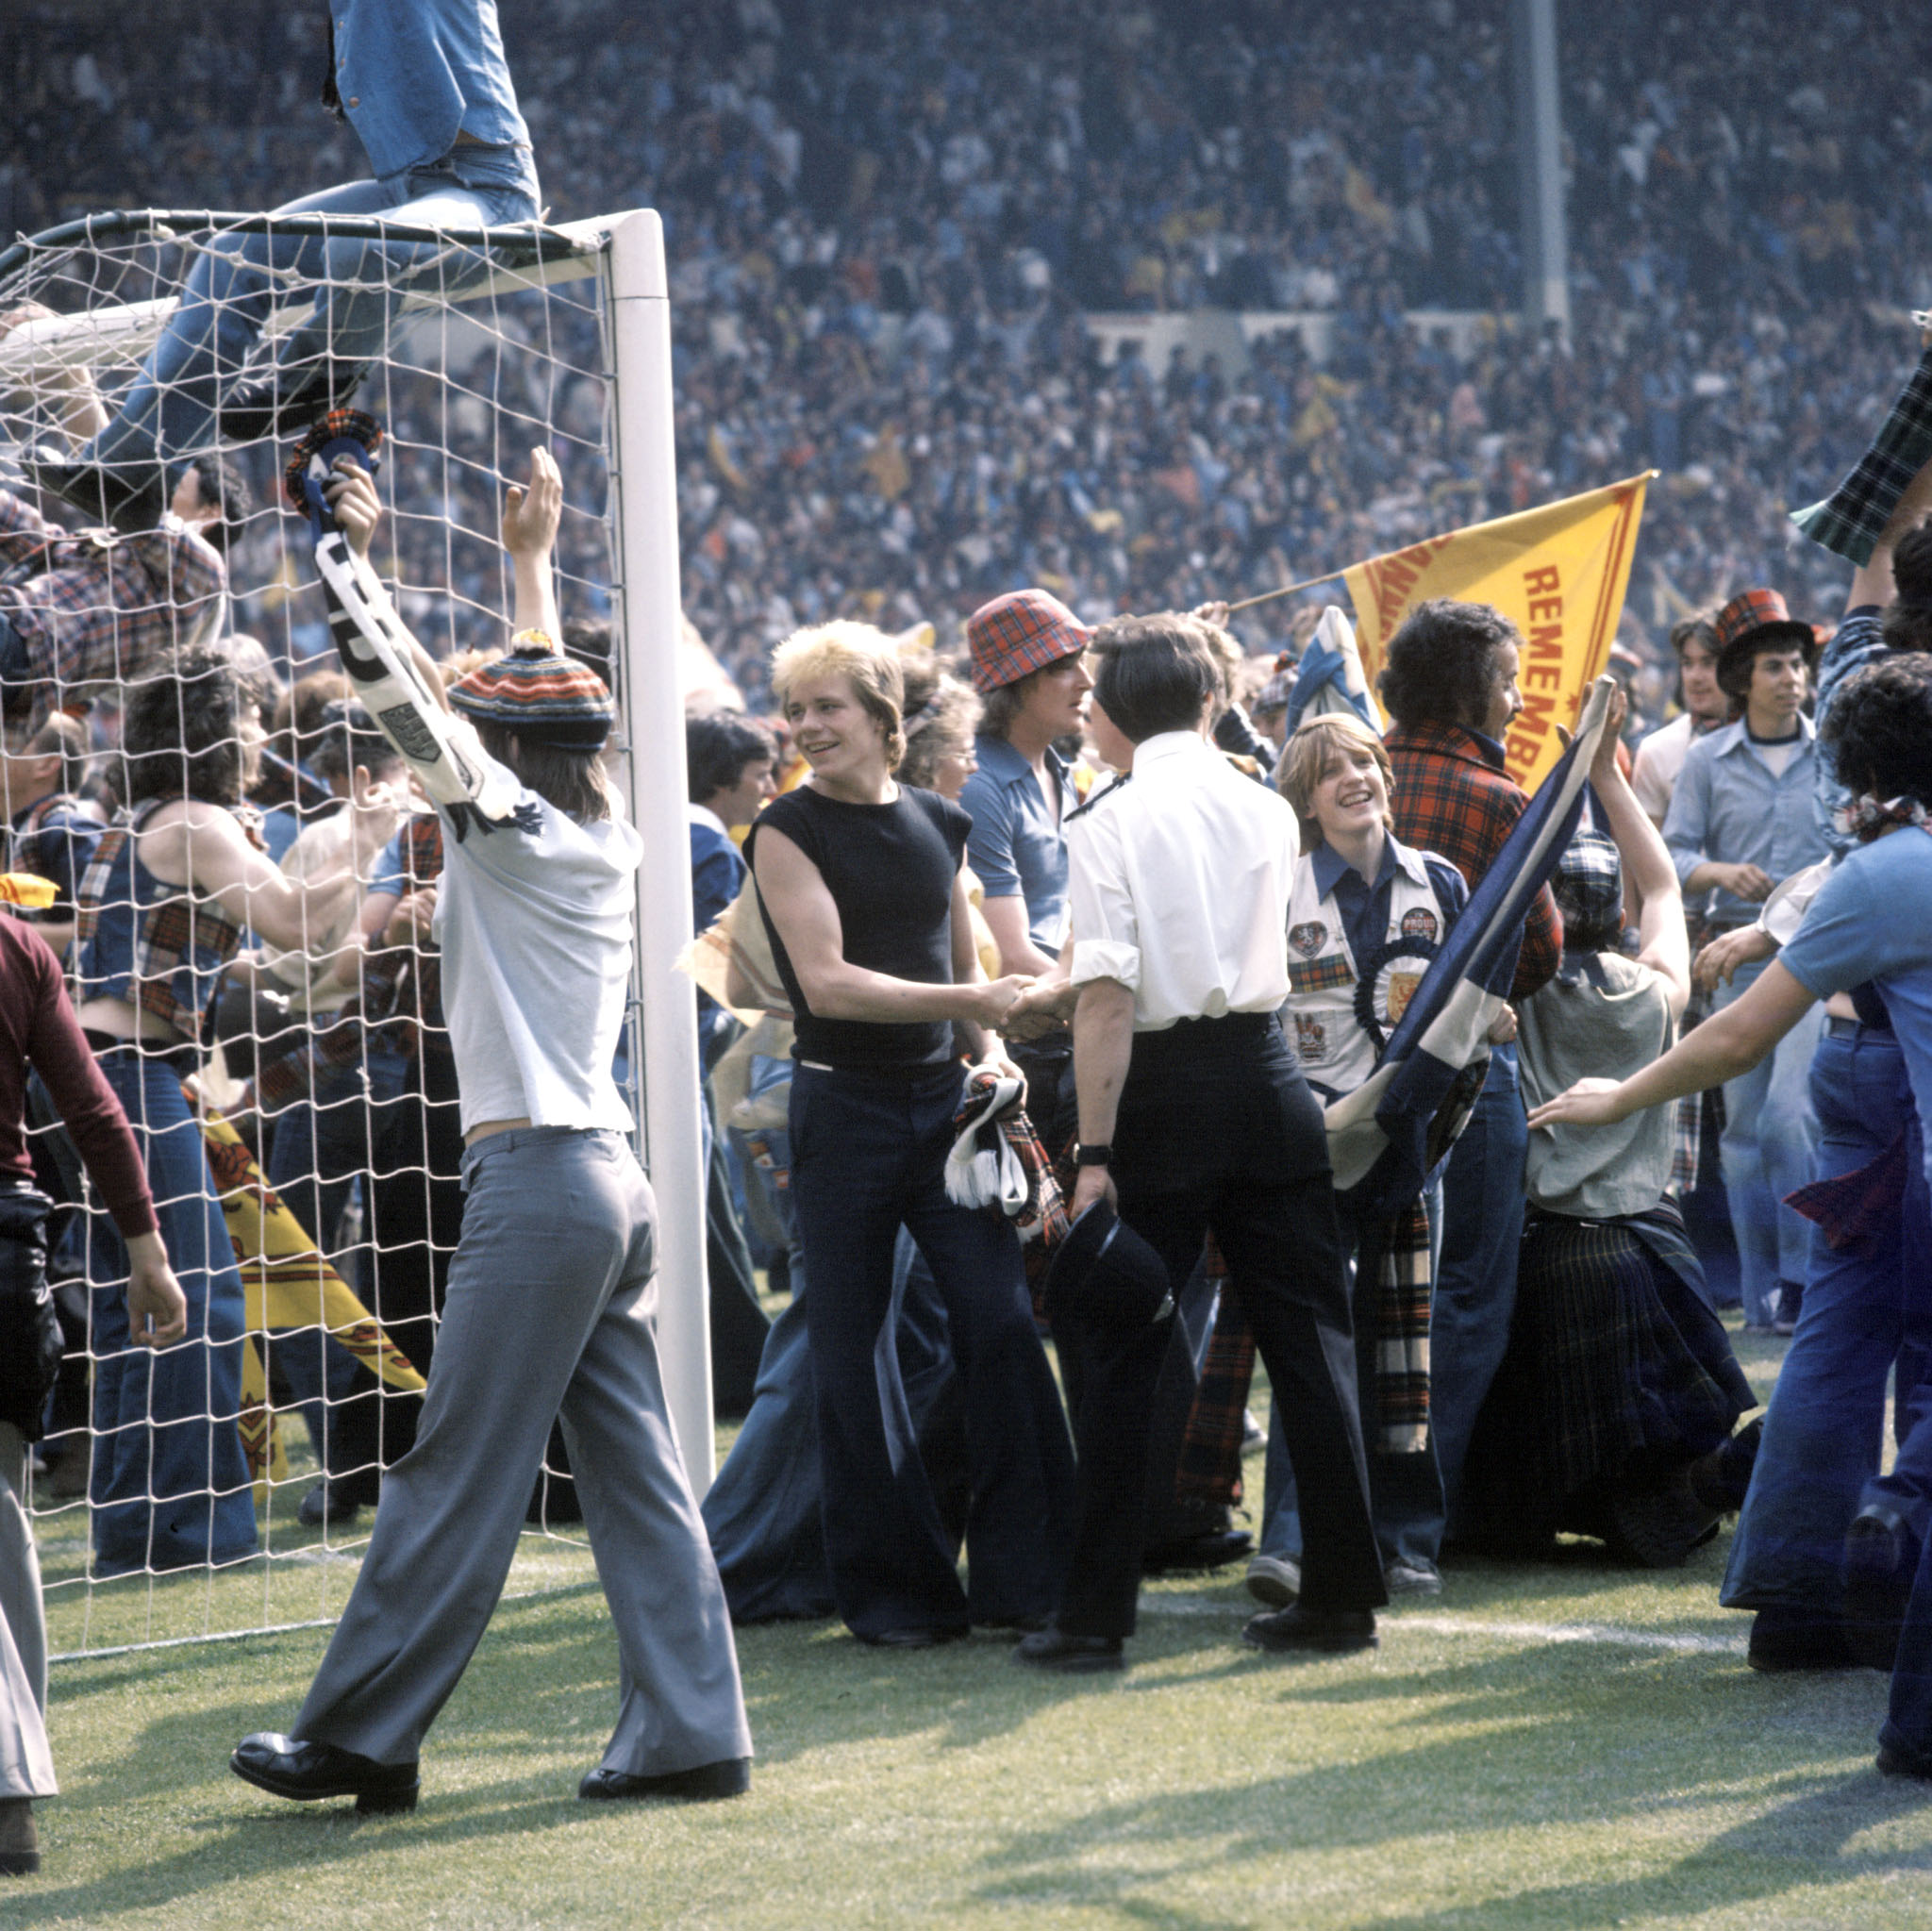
<point>24,888</point>
<point>286,1283</point>
<point>1557,572</point>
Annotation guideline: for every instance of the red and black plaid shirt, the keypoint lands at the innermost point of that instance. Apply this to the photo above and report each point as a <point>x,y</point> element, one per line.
<point>1453,796</point>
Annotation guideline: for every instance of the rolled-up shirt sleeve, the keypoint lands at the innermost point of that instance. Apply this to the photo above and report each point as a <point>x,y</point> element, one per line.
<point>1107,933</point>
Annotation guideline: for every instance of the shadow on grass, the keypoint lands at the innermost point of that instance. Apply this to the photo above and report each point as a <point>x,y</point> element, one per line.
<point>1541,1739</point>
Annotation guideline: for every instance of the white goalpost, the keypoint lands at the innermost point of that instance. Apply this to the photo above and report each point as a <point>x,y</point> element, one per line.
<point>478,367</point>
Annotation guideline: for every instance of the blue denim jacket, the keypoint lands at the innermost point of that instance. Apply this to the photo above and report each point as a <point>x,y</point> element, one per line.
<point>415,73</point>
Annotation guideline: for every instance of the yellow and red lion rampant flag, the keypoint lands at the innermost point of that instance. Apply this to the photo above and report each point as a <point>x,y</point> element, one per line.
<point>287,1284</point>
<point>1557,572</point>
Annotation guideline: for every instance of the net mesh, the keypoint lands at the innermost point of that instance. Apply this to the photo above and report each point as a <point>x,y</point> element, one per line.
<point>294,1103</point>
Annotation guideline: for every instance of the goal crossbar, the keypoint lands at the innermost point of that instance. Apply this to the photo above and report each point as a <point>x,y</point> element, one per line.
<point>536,256</point>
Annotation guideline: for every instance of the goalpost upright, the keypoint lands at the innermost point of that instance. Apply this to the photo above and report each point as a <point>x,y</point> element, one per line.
<point>622,254</point>
<point>647,600</point>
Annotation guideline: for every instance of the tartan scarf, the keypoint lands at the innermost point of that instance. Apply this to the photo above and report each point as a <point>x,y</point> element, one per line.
<point>1000,1163</point>
<point>1398,1249</point>
<point>1850,521</point>
<point>1850,1207</point>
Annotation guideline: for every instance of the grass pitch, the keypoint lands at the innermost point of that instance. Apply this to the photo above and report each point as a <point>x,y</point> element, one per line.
<point>1565,1746</point>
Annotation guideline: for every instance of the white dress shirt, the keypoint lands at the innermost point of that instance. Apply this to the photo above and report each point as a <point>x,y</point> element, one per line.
<point>1179,886</point>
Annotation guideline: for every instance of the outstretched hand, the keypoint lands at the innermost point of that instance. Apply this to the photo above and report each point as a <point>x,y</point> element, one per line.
<point>532,511</point>
<point>1589,1103</point>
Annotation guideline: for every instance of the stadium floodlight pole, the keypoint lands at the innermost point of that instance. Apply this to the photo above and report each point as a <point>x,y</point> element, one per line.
<point>650,613</point>
<point>1539,163</point>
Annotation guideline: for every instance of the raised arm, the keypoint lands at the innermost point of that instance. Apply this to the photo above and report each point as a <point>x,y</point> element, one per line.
<point>530,516</point>
<point>1666,944</point>
<point>394,676</point>
<point>1873,581</point>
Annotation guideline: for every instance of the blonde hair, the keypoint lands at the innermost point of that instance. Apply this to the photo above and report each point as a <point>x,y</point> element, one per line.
<point>1313,746</point>
<point>866,657</point>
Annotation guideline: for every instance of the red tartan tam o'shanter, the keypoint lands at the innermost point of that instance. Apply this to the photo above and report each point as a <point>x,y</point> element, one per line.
<point>1759,616</point>
<point>1020,633</point>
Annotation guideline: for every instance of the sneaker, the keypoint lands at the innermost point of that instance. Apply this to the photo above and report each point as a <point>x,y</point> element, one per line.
<point>1790,1302</point>
<point>1412,1577</point>
<point>1275,1580</point>
<point>326,1501</point>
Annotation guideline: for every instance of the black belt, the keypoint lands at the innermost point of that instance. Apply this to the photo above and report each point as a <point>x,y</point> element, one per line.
<point>1838,1028</point>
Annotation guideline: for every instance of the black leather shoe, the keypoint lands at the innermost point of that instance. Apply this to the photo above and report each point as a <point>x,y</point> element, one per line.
<point>914,1638</point>
<point>728,1777</point>
<point>1881,1561</point>
<point>1298,1627</point>
<point>1073,1655</point>
<point>1786,1640</point>
<point>289,1767</point>
<point>1896,1760</point>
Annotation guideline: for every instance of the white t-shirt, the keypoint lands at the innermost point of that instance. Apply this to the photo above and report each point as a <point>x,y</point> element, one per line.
<point>1659,758</point>
<point>1179,884</point>
<point>535,927</point>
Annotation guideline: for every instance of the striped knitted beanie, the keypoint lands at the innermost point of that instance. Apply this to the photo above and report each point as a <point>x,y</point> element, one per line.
<point>541,695</point>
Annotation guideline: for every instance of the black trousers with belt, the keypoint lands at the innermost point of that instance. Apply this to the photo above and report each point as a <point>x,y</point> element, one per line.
<point>1217,1131</point>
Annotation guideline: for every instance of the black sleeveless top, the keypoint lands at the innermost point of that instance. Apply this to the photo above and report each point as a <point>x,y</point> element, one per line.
<point>890,869</point>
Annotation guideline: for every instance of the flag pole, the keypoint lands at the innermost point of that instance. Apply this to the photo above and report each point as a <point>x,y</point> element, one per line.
<point>1286,589</point>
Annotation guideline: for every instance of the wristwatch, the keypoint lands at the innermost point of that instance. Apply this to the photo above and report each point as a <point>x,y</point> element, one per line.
<point>1086,1156</point>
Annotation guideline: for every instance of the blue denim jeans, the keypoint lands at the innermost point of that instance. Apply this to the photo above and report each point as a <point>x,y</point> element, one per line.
<point>170,1485</point>
<point>1475,1278</point>
<point>1865,1307</point>
<point>1769,1134</point>
<point>763,1513</point>
<point>170,410</point>
<point>868,1157</point>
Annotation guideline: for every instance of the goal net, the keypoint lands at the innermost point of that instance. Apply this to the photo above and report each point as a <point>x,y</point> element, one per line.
<point>291,1090</point>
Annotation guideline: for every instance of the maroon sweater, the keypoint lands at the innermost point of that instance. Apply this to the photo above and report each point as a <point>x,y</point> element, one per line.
<point>38,1029</point>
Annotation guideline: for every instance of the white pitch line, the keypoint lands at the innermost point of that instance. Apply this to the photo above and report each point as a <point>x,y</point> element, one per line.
<point>1684,1645</point>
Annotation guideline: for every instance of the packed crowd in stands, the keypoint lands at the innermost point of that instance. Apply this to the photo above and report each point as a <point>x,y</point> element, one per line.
<point>1488,1332</point>
<point>883,236</point>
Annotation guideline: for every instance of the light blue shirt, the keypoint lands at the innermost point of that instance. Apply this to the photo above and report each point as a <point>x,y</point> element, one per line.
<point>415,73</point>
<point>1016,847</point>
<point>1873,920</point>
<point>1728,810</point>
